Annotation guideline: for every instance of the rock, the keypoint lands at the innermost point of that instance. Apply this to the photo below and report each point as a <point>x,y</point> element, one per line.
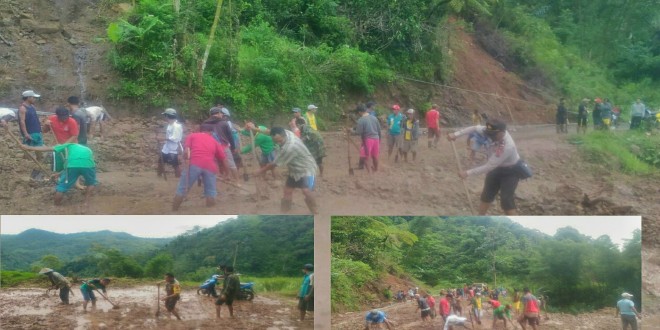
<point>39,27</point>
<point>41,41</point>
<point>122,8</point>
<point>73,41</point>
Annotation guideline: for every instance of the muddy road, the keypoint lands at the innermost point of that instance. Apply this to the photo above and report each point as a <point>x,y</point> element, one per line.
<point>126,160</point>
<point>32,308</point>
<point>405,316</point>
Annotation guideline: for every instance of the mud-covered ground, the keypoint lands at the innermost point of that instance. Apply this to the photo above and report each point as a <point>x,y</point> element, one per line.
<point>405,316</point>
<point>32,308</point>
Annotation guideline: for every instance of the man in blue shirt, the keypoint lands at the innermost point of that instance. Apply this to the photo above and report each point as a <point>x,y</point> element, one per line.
<point>394,131</point>
<point>306,294</point>
<point>626,308</point>
<point>375,319</point>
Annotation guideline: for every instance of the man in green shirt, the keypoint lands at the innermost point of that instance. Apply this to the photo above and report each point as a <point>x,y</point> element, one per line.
<point>499,313</point>
<point>87,290</point>
<point>263,141</point>
<point>59,282</point>
<point>306,293</point>
<point>79,161</point>
<point>230,288</point>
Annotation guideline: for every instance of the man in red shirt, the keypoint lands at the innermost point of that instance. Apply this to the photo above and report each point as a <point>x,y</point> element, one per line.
<point>445,306</point>
<point>531,312</point>
<point>433,124</point>
<point>200,153</point>
<point>63,126</point>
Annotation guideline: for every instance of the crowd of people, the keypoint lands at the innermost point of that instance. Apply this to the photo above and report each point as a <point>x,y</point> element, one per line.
<point>604,115</point>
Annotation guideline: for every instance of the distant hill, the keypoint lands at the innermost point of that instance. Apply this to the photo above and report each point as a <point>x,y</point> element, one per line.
<point>20,251</point>
<point>266,245</point>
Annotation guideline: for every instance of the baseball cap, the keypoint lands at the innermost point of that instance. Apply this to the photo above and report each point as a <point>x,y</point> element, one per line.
<point>29,93</point>
<point>225,112</point>
<point>169,111</point>
<point>312,107</point>
<point>626,295</point>
<point>308,267</point>
<point>62,112</point>
<point>215,110</point>
<point>295,110</point>
<point>495,125</point>
<point>396,107</point>
<point>411,111</point>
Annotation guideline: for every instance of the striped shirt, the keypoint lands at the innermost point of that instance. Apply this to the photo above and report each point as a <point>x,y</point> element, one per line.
<point>500,154</point>
<point>296,157</point>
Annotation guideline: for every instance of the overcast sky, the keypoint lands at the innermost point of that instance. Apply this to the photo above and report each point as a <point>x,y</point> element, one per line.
<point>136,225</point>
<point>617,228</point>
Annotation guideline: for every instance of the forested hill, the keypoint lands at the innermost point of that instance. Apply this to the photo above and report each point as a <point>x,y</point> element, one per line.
<point>22,250</point>
<point>575,270</point>
<point>266,245</point>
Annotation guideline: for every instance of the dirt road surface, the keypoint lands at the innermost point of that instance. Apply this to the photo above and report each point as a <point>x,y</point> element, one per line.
<point>31,308</point>
<point>405,316</point>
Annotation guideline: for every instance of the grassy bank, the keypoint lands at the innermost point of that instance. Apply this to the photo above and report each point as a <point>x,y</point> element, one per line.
<point>627,151</point>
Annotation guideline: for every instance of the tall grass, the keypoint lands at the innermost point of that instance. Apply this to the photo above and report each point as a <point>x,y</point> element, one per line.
<point>287,286</point>
<point>628,151</point>
<point>9,278</point>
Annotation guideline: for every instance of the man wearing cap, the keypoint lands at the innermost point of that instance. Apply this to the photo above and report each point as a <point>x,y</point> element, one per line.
<point>582,116</point>
<point>445,306</point>
<point>368,128</point>
<point>58,282</point>
<point>222,132</point>
<point>172,293</point>
<point>261,140</point>
<point>201,150</point>
<point>169,154</point>
<point>230,288</point>
<point>433,125</point>
<point>501,168</point>
<point>636,114</point>
<point>310,116</point>
<point>79,161</point>
<point>475,305</point>
<point>410,132</point>
<point>301,165</point>
<point>375,319</point>
<point>80,116</point>
<point>64,127</point>
<point>626,308</point>
<point>28,120</point>
<point>394,131</point>
<point>87,290</point>
<point>306,293</point>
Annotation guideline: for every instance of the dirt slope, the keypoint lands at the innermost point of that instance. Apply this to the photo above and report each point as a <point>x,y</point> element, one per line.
<point>34,309</point>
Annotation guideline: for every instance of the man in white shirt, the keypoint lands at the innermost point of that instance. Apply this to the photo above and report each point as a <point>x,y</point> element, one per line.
<point>172,145</point>
<point>502,171</point>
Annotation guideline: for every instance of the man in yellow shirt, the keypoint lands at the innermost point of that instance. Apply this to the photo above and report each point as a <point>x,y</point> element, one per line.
<point>310,116</point>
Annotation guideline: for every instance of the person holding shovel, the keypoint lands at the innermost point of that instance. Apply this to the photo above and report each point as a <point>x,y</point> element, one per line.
<point>368,128</point>
<point>231,285</point>
<point>58,282</point>
<point>314,143</point>
<point>172,294</point>
<point>263,141</point>
<point>87,290</point>
<point>79,161</point>
<point>28,120</point>
<point>200,154</point>
<point>502,171</point>
<point>301,165</point>
<point>65,129</point>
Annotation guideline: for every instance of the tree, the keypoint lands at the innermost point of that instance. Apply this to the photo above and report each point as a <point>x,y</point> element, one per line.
<point>48,261</point>
<point>159,265</point>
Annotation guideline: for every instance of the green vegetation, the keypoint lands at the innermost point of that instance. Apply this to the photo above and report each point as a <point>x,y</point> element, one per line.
<point>633,152</point>
<point>288,286</point>
<point>9,278</point>
<point>272,249</point>
<point>577,273</point>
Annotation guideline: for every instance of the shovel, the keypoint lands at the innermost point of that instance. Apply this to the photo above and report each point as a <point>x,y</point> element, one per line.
<point>114,306</point>
<point>36,174</point>
<point>158,302</point>
<point>348,152</point>
<point>458,163</point>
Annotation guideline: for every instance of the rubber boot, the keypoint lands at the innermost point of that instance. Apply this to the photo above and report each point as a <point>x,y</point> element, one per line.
<point>311,205</point>
<point>177,202</point>
<point>210,201</point>
<point>285,205</point>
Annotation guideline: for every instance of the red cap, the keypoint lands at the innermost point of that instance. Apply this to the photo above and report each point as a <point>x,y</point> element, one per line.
<point>396,107</point>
